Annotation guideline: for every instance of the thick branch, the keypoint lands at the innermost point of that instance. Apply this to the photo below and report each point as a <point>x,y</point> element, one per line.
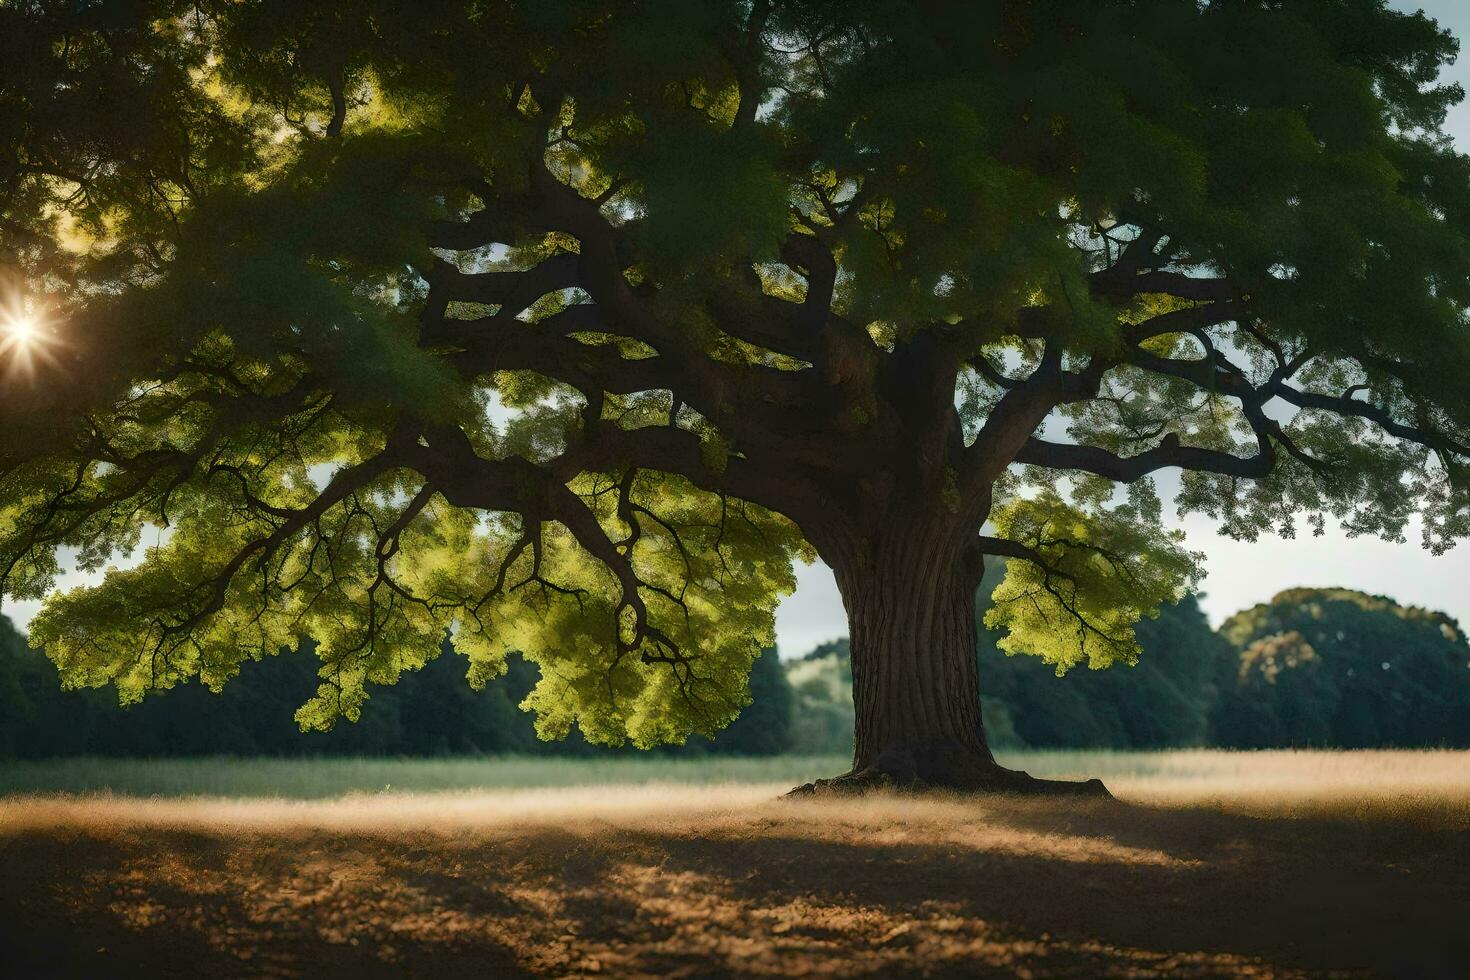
<point>1126,469</point>
<point>513,291</point>
<point>1366,410</point>
<point>1118,282</point>
<point>1023,408</point>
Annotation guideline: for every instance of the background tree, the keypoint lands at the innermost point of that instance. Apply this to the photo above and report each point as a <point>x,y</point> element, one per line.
<point>1335,667</point>
<point>821,683</point>
<point>754,278</point>
<point>765,726</point>
<point>1162,701</point>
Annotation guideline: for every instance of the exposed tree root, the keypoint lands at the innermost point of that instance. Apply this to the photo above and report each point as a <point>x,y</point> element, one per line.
<point>980,781</point>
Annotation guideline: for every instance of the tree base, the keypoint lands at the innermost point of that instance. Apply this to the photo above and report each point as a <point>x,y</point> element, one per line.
<point>983,780</point>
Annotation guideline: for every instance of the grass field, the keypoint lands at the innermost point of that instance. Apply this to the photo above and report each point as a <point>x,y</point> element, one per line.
<point>1208,864</point>
<point>1294,774</point>
<point>322,778</point>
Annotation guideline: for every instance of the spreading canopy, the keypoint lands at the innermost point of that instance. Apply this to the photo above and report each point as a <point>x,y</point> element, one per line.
<point>566,327</point>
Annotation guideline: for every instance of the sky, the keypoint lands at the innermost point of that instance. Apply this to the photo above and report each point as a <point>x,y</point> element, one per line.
<point>1239,574</point>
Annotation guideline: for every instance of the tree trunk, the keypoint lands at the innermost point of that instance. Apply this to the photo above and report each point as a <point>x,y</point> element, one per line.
<point>916,700</point>
<point>910,598</point>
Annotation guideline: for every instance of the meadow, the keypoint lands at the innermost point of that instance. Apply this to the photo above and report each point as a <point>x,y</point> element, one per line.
<point>1207,864</point>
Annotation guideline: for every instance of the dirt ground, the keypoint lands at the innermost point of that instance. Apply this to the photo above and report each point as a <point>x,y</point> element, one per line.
<point>728,881</point>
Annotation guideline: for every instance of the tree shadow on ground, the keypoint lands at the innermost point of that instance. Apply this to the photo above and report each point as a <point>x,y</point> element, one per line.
<point>990,888</point>
<point>1310,894</point>
<point>179,904</point>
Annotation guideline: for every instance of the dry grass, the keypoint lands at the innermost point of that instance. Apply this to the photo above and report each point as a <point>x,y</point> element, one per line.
<point>1276,864</point>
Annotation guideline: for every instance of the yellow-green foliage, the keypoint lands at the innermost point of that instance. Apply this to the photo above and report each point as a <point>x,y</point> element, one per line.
<point>1103,569</point>
<point>712,573</point>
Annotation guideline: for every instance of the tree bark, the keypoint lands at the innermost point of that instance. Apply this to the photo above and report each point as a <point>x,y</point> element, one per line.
<point>909,590</point>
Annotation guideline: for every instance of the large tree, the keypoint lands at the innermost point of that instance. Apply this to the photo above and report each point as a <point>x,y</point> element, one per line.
<point>568,326</point>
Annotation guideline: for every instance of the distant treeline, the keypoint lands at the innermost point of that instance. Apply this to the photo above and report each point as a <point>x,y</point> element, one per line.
<point>429,712</point>
<point>1323,668</point>
<point>1314,667</point>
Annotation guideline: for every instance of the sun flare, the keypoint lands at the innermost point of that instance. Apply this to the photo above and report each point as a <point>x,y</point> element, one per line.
<point>27,341</point>
<point>22,332</point>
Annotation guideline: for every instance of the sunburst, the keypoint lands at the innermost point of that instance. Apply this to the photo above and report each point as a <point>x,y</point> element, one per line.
<point>25,338</point>
<point>21,333</point>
